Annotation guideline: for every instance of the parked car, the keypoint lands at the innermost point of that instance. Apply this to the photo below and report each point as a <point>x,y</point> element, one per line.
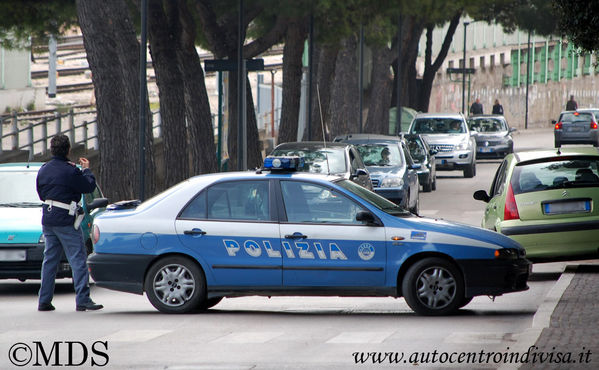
<point>21,239</point>
<point>448,134</point>
<point>423,155</point>
<point>330,158</point>
<point>279,232</point>
<point>576,127</point>
<point>494,136</point>
<point>392,170</point>
<point>547,202</point>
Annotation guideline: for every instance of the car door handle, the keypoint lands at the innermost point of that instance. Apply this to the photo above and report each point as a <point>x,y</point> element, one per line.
<point>296,235</point>
<point>194,232</point>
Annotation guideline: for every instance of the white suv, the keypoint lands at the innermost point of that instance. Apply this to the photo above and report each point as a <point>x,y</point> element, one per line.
<point>448,134</point>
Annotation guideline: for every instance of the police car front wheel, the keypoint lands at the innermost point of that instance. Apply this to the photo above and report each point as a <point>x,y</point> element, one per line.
<point>433,286</point>
<point>175,285</point>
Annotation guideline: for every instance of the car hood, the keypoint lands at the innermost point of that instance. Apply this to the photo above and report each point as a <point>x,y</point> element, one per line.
<point>445,138</point>
<point>20,225</point>
<point>384,171</point>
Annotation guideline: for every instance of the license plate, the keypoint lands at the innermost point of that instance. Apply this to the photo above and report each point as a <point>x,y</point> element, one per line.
<point>485,150</point>
<point>574,129</point>
<point>557,208</point>
<point>13,255</point>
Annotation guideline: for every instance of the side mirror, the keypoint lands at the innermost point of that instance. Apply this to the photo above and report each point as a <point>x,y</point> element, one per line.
<point>473,133</point>
<point>415,166</point>
<point>433,152</point>
<point>513,129</point>
<point>359,172</point>
<point>553,121</point>
<point>97,203</point>
<point>481,195</point>
<point>367,218</point>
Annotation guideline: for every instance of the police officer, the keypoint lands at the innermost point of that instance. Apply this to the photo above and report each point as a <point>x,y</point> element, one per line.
<point>60,185</point>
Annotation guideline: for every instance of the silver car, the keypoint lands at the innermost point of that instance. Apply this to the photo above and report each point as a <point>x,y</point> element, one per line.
<point>449,135</point>
<point>494,136</point>
<point>576,127</point>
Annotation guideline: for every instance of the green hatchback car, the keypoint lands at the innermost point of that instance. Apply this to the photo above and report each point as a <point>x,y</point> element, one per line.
<point>548,201</point>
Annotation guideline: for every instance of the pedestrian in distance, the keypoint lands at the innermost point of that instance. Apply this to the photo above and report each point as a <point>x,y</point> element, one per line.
<point>60,185</point>
<point>571,104</point>
<point>476,108</point>
<point>497,108</point>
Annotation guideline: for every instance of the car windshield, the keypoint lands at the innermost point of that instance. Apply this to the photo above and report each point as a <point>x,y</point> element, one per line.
<point>437,126</point>
<point>17,189</point>
<point>417,149</point>
<point>380,154</point>
<point>329,160</point>
<point>487,125</point>
<point>556,174</point>
<point>577,117</point>
<point>373,198</point>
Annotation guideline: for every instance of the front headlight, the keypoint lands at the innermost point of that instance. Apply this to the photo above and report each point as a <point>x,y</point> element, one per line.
<point>463,145</point>
<point>506,254</point>
<point>392,182</point>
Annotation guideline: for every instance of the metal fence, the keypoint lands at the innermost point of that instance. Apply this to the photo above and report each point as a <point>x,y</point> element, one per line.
<point>31,131</point>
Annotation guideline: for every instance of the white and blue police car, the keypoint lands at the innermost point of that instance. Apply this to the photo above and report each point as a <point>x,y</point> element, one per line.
<point>280,232</point>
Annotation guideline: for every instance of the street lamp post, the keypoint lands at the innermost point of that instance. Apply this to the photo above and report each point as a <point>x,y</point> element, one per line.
<point>464,71</point>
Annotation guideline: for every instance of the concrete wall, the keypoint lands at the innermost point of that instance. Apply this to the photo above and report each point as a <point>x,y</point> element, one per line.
<point>545,101</point>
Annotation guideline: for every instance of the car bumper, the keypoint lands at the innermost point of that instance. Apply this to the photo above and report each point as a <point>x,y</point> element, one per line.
<point>555,241</point>
<point>31,266</point>
<point>454,160</point>
<point>590,137</point>
<point>495,277</point>
<point>396,195</point>
<point>496,151</point>
<point>122,272</point>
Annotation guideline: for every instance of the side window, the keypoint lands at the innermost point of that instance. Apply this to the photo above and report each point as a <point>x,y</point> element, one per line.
<point>406,152</point>
<point>242,200</point>
<point>310,203</point>
<point>89,197</point>
<point>353,160</point>
<point>499,181</point>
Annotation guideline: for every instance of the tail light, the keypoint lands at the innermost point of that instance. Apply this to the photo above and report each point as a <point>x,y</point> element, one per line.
<point>593,125</point>
<point>96,234</point>
<point>558,126</point>
<point>510,211</point>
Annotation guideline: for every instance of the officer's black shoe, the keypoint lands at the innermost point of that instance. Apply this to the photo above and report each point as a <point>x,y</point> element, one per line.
<point>45,307</point>
<point>89,306</point>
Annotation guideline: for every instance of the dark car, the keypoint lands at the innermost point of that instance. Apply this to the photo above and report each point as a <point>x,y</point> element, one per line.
<point>494,138</point>
<point>329,158</point>
<point>391,168</point>
<point>576,127</point>
<point>422,154</point>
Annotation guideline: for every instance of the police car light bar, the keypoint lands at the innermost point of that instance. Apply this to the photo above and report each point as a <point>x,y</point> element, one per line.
<point>290,163</point>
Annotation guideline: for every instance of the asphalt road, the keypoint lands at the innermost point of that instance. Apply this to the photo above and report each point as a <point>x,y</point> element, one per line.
<point>279,332</point>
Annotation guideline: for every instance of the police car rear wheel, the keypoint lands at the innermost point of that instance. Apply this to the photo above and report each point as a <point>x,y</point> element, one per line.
<point>175,285</point>
<point>433,286</point>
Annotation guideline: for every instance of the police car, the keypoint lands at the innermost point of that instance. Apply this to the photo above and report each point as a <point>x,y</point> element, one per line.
<point>280,232</point>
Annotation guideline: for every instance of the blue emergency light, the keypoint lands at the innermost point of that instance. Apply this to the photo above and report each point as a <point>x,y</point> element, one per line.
<point>287,163</point>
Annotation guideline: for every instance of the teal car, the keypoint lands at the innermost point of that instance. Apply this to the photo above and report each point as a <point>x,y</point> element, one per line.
<point>21,238</point>
<point>548,201</point>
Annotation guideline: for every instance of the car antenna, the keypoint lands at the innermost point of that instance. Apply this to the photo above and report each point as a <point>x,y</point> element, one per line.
<point>324,141</point>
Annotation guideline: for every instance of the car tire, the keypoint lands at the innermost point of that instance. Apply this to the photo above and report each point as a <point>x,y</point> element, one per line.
<point>434,186</point>
<point>465,301</point>
<point>557,143</point>
<point>428,187</point>
<point>433,287</point>
<point>209,303</point>
<point>470,171</point>
<point>416,207</point>
<point>175,285</point>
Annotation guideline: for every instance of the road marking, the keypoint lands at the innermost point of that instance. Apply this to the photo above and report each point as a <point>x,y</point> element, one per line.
<point>348,337</point>
<point>476,337</point>
<point>249,337</point>
<point>134,335</point>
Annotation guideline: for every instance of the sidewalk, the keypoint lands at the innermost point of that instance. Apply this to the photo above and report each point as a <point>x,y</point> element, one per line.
<point>572,335</point>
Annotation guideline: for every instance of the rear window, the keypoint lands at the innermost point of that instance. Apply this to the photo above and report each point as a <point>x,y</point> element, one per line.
<point>556,174</point>
<point>437,126</point>
<point>317,160</point>
<point>576,117</point>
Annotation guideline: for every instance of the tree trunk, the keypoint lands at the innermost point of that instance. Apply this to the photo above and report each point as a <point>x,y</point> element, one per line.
<point>344,109</point>
<point>109,39</point>
<point>381,84</point>
<point>197,106</point>
<point>325,57</point>
<point>292,81</point>
<point>164,31</point>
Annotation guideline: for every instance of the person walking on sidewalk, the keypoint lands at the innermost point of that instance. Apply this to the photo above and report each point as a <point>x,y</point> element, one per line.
<point>571,104</point>
<point>476,107</point>
<point>60,185</point>
<point>497,108</point>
